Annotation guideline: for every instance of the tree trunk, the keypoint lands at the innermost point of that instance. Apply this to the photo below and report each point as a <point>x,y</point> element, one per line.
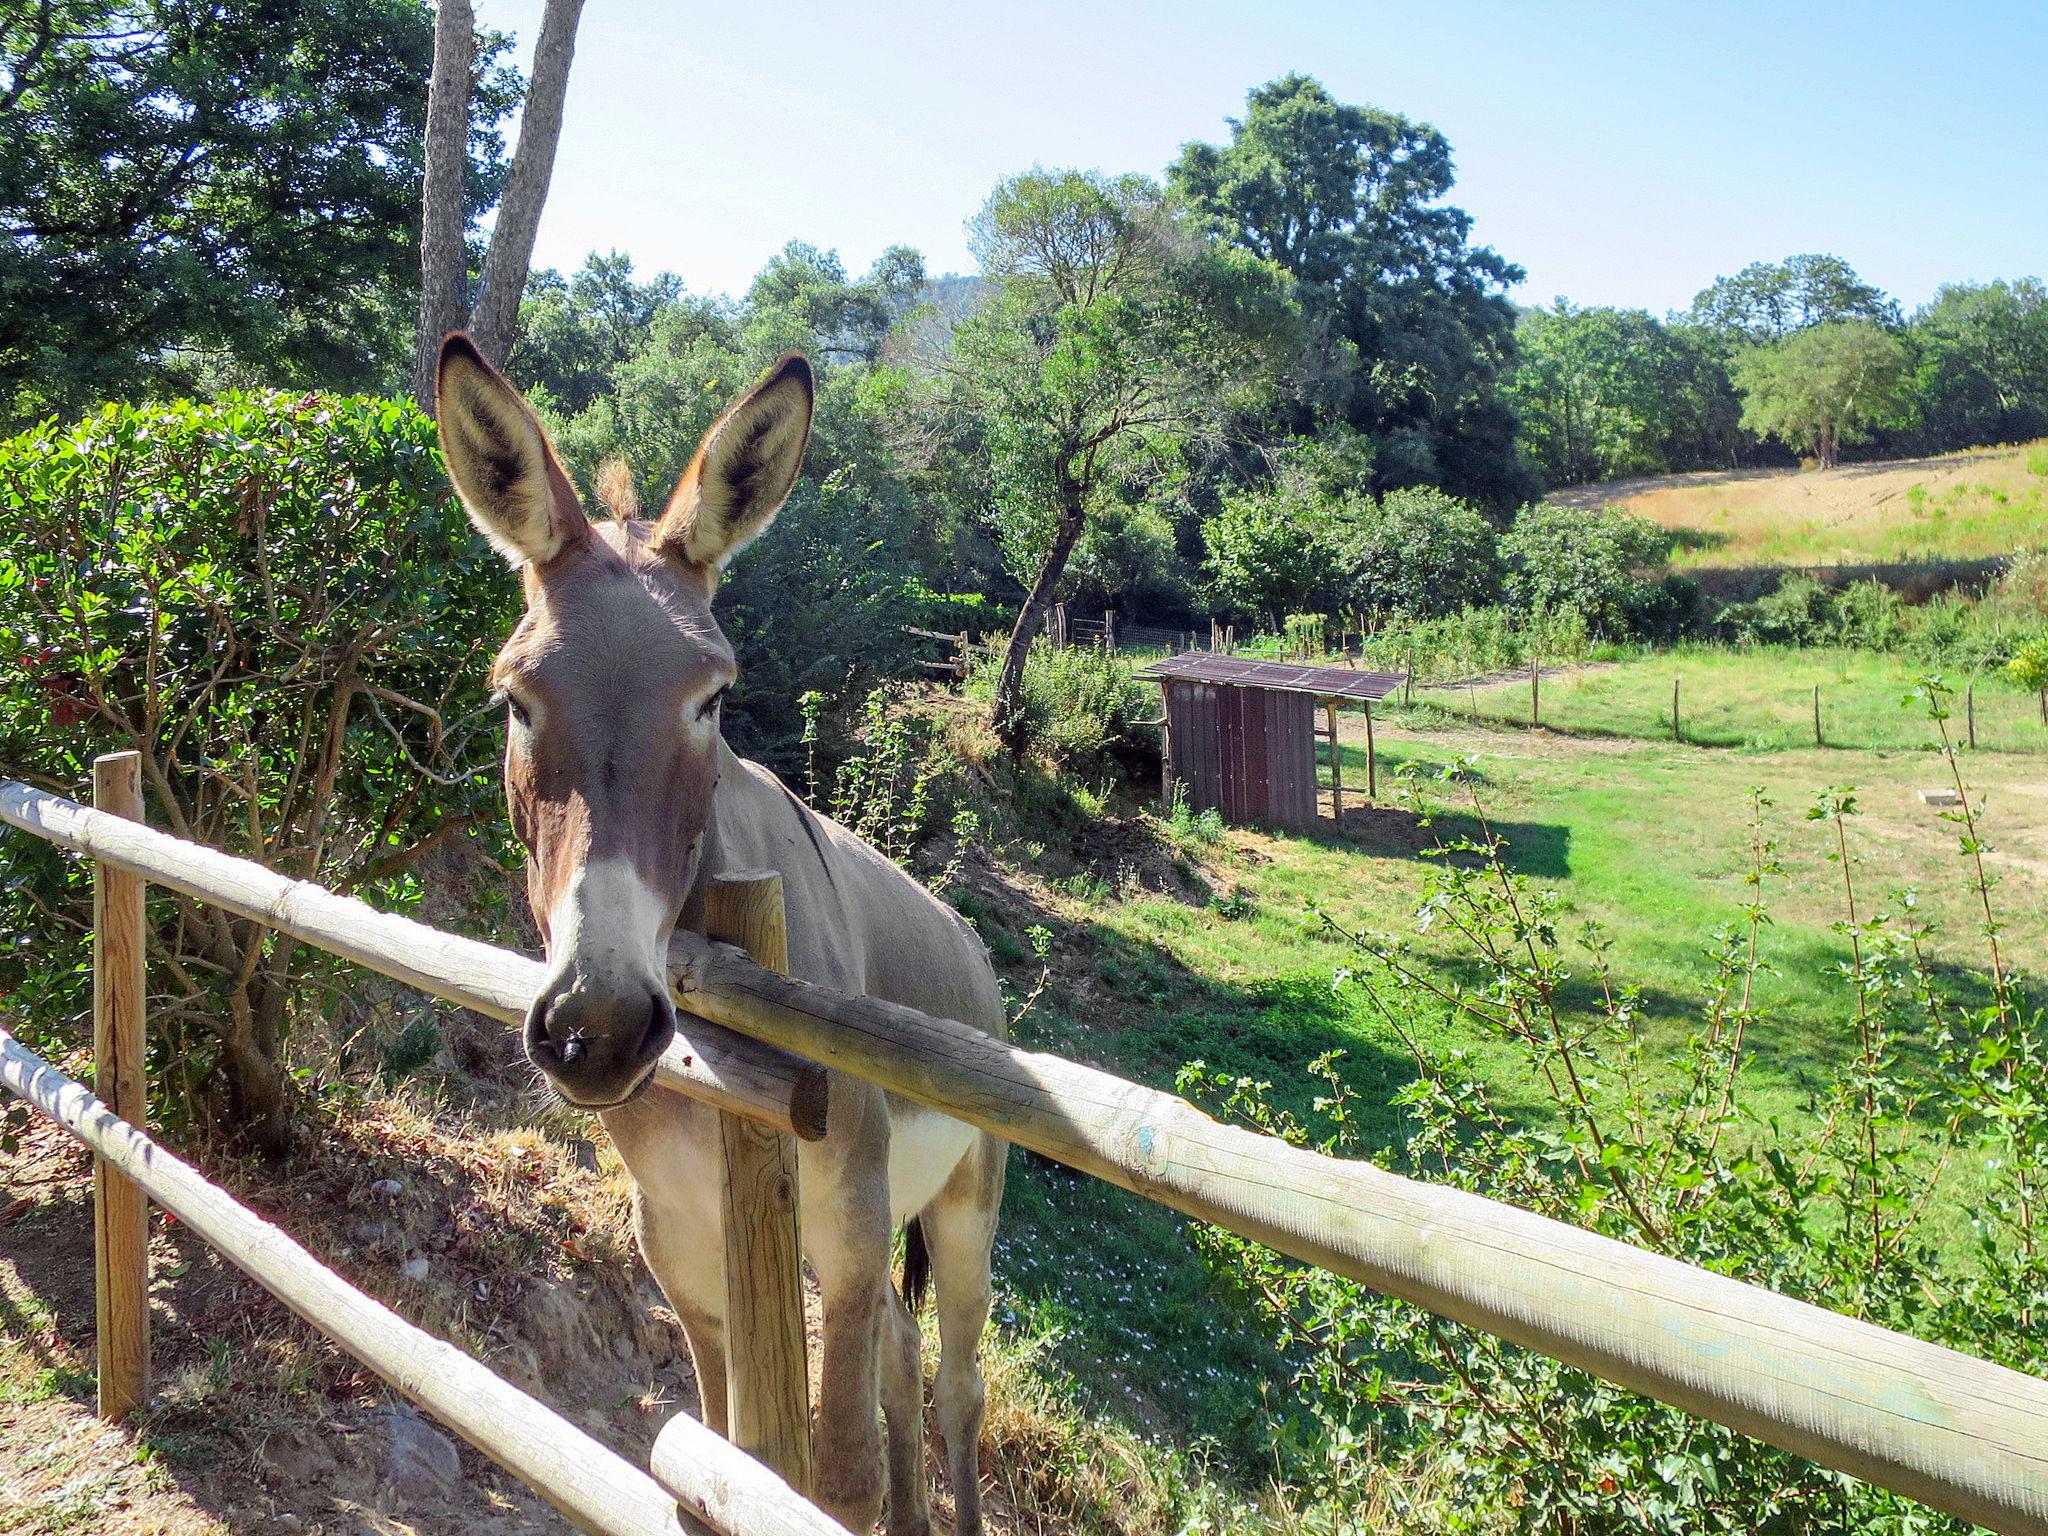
<point>444,257</point>
<point>1009,715</point>
<point>496,321</point>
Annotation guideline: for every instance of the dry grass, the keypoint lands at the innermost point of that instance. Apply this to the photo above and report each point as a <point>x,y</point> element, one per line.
<point>1960,506</point>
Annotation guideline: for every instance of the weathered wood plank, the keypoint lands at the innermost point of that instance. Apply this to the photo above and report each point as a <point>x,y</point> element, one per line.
<point>706,1062</point>
<point>768,1400</point>
<point>119,1023</point>
<point>594,1488</point>
<point>1955,1432</point>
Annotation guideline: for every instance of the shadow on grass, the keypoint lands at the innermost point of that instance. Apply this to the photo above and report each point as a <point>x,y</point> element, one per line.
<point>1152,1335</point>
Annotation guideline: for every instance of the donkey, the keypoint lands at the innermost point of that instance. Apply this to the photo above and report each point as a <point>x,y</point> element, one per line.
<point>621,787</point>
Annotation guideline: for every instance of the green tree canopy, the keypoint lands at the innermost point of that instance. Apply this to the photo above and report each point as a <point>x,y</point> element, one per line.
<point>1603,562</point>
<point>1422,554</point>
<point>1982,373</point>
<point>1768,300</point>
<point>1112,336</point>
<point>1277,550</point>
<point>233,186</point>
<point>1604,392</point>
<point>1410,323</point>
<point>1824,386</point>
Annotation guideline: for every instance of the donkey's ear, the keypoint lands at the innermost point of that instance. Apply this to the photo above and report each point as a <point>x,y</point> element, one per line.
<point>743,471</point>
<point>504,469</point>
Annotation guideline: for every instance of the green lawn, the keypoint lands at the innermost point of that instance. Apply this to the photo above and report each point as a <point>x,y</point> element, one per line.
<point>1758,700</point>
<point>1645,838</point>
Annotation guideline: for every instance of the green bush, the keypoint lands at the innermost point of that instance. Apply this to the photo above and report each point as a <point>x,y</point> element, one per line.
<point>1606,563</point>
<point>277,602</point>
<point>1941,1111</point>
<point>1081,705</point>
<point>1867,615</point>
<point>1422,554</point>
<point>1277,550</point>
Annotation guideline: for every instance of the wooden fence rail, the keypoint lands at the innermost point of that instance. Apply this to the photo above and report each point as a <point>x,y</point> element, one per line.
<point>595,1488</point>
<point>1958,1433</point>
<point>731,1071</point>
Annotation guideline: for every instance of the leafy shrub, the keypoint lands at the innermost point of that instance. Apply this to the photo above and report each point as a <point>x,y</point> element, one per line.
<point>1797,613</point>
<point>2029,666</point>
<point>885,789</point>
<point>276,601</point>
<point>1422,554</point>
<point>1853,1208</point>
<point>1081,705</point>
<point>1479,641</point>
<point>1605,562</point>
<point>1276,550</point>
<point>1866,615</point>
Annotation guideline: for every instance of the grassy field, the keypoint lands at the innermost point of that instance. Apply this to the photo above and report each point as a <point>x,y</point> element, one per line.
<point>1757,701</point>
<point>1958,507</point>
<point>1645,838</point>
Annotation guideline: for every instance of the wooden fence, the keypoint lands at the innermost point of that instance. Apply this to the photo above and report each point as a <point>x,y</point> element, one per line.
<point>1957,1433</point>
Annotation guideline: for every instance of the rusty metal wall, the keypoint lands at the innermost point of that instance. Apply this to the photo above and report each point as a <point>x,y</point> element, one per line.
<point>1247,752</point>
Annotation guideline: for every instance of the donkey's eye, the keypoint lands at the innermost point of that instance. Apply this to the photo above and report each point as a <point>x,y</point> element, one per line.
<point>518,709</point>
<point>709,708</point>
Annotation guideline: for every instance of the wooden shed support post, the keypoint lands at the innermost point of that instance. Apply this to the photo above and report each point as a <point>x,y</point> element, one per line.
<point>1336,763</point>
<point>120,1209</point>
<point>768,1402</point>
<point>1372,767</point>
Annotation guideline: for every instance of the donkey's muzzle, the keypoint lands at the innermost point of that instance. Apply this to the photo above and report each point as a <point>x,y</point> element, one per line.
<point>598,1048</point>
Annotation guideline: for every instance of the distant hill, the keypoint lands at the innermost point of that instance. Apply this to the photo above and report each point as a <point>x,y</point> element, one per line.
<point>1960,506</point>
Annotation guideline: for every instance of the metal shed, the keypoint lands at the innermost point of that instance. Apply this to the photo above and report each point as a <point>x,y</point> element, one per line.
<point>1241,734</point>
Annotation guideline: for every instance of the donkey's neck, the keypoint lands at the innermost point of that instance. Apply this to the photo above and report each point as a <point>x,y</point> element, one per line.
<point>746,807</point>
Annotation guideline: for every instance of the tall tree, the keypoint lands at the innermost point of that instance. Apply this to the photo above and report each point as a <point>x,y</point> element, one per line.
<point>1113,336</point>
<point>1410,321</point>
<point>444,215</point>
<point>444,218</point>
<point>1983,363</point>
<point>1766,301</point>
<point>198,187</point>
<point>496,320</point>
<point>1824,386</point>
<point>1603,392</point>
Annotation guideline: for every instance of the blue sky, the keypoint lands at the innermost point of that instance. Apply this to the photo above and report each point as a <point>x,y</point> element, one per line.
<point>1623,154</point>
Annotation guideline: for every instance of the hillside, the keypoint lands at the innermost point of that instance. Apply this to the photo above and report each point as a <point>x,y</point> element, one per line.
<point>1960,506</point>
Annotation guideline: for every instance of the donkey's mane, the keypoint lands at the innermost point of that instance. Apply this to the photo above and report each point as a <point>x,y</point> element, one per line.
<point>614,487</point>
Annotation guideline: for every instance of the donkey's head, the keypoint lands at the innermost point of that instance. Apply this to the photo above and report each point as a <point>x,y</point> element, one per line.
<point>613,678</point>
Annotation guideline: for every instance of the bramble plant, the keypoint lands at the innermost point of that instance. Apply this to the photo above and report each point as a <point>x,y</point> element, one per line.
<point>1852,1209</point>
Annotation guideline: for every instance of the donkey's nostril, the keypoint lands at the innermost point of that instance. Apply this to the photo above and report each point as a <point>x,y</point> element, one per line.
<point>661,1024</point>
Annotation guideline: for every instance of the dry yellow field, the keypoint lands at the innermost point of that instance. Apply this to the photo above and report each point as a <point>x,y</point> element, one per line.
<point>1961,506</point>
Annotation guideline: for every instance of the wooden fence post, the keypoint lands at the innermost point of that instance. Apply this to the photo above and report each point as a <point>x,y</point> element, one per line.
<point>120,1209</point>
<point>1336,763</point>
<point>1408,682</point>
<point>1970,707</point>
<point>1535,695</point>
<point>1674,711</point>
<point>768,1397</point>
<point>1816,717</point>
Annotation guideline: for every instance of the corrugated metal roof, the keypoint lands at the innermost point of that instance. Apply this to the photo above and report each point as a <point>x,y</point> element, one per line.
<point>1282,676</point>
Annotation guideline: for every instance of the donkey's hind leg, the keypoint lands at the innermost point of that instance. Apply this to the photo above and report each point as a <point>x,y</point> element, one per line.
<point>960,1229</point>
<point>902,1383</point>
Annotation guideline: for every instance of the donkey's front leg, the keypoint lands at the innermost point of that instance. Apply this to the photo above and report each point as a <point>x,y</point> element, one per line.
<point>849,1250</point>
